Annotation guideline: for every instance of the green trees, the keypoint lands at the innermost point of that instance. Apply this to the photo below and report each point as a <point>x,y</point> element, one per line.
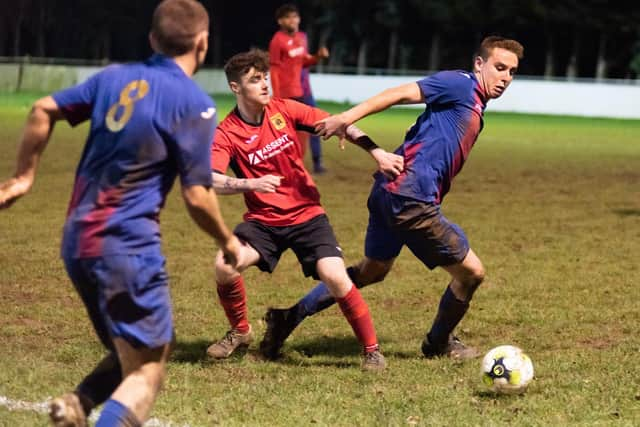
<point>574,38</point>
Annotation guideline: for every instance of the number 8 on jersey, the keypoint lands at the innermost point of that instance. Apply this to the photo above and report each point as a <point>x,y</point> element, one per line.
<point>126,101</point>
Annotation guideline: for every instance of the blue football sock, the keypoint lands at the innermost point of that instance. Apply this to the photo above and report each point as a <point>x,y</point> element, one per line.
<point>317,300</point>
<point>115,414</point>
<point>450,312</point>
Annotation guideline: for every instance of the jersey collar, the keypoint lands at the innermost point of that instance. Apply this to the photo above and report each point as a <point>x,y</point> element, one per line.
<point>479,90</point>
<point>237,113</point>
<point>163,61</point>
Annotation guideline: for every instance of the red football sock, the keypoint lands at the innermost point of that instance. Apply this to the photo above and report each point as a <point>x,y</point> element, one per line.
<point>356,311</point>
<point>234,301</point>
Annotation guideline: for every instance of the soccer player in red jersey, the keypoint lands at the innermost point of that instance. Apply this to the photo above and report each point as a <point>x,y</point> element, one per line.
<point>289,57</point>
<point>258,140</point>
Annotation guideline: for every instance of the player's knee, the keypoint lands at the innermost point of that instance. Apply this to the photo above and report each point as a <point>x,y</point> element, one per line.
<point>478,276</point>
<point>154,378</point>
<point>375,277</point>
<point>224,272</point>
<point>372,271</point>
<point>474,278</point>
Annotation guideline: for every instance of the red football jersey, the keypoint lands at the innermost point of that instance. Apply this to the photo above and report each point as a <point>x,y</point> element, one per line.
<point>271,148</point>
<point>287,55</point>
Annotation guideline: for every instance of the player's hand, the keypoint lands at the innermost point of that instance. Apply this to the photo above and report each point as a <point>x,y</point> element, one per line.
<point>12,190</point>
<point>266,184</point>
<point>391,165</point>
<point>323,53</point>
<point>232,251</point>
<point>335,125</point>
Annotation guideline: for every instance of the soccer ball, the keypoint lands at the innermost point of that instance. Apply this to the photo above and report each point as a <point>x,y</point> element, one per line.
<point>506,369</point>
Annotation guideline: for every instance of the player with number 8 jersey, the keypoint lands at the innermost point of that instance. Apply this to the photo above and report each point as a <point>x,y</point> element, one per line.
<point>127,168</point>
<point>149,124</point>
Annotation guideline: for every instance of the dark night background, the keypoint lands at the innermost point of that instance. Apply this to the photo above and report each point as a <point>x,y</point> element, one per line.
<point>590,38</point>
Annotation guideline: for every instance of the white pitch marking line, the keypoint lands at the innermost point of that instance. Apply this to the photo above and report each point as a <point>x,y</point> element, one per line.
<point>43,408</point>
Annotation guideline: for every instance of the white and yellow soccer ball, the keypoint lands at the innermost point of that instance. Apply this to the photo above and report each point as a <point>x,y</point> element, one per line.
<point>507,369</point>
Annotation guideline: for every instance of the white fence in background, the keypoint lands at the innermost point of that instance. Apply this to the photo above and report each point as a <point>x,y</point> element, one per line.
<point>526,95</point>
<point>593,99</point>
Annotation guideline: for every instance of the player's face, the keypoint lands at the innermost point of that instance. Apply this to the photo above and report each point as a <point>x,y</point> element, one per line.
<point>254,87</point>
<point>497,71</point>
<point>290,22</point>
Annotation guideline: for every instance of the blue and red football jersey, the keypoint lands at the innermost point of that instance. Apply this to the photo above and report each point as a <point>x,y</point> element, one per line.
<point>149,123</point>
<point>437,145</point>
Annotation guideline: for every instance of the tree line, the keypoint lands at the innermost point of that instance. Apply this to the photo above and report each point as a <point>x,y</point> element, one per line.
<point>562,38</point>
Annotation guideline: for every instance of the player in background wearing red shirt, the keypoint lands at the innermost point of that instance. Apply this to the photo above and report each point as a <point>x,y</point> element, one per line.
<point>289,56</point>
<point>258,140</point>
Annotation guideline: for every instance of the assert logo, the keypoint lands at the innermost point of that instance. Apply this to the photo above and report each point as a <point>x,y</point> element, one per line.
<point>271,149</point>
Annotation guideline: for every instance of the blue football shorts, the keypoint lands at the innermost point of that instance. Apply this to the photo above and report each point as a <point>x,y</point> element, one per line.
<point>396,221</point>
<point>126,296</point>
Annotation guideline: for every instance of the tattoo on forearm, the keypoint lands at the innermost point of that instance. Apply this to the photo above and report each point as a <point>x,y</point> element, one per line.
<point>234,183</point>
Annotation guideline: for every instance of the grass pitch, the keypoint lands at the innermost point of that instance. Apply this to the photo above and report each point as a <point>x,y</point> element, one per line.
<point>550,204</point>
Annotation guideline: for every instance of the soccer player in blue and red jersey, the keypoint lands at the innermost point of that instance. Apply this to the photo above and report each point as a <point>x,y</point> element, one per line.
<point>141,137</point>
<point>290,61</point>
<point>258,140</point>
<point>406,210</point>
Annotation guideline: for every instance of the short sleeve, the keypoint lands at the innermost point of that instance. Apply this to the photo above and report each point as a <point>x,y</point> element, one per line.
<point>274,50</point>
<point>76,102</point>
<point>445,87</point>
<point>193,137</point>
<point>304,116</point>
<point>221,153</point>
<point>274,60</point>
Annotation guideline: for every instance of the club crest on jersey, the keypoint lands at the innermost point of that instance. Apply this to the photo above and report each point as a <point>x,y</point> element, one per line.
<point>278,121</point>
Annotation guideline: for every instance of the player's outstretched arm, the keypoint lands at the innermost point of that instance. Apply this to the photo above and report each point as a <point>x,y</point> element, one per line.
<point>224,184</point>
<point>309,59</point>
<point>409,93</point>
<point>202,204</point>
<point>40,122</point>
<point>390,164</point>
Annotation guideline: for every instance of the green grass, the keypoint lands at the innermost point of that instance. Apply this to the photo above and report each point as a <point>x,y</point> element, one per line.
<point>550,204</point>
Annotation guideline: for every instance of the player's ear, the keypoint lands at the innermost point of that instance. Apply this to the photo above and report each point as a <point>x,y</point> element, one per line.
<point>234,86</point>
<point>202,43</point>
<point>153,42</point>
<point>477,63</point>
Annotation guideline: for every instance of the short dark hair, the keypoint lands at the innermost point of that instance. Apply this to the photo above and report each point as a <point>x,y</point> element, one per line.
<point>175,24</point>
<point>492,42</point>
<point>286,9</point>
<point>240,64</point>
